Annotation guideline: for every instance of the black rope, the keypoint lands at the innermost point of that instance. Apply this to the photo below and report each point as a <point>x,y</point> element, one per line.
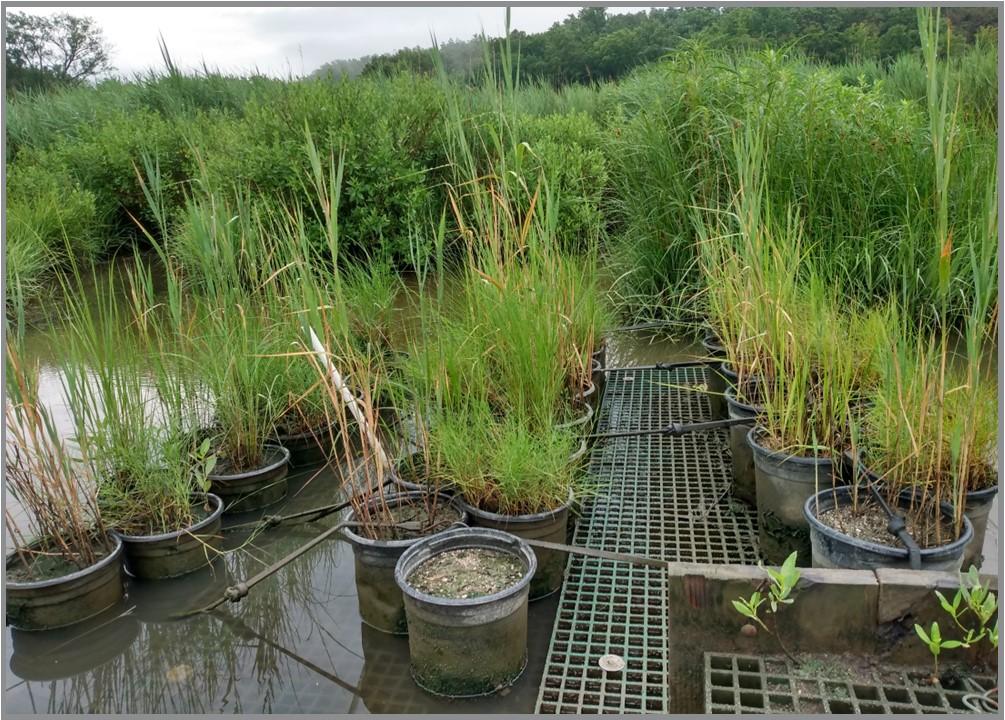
<point>236,593</point>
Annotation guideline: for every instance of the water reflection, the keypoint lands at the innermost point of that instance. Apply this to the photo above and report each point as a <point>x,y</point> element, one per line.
<point>295,644</point>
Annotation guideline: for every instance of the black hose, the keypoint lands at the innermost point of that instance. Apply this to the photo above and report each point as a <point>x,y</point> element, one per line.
<point>659,366</point>
<point>675,429</point>
<point>896,525</point>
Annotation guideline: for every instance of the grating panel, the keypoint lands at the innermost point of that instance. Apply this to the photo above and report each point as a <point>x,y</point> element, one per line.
<point>741,684</point>
<point>663,497</point>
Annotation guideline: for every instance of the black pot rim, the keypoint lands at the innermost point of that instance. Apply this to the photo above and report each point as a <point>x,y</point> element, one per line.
<point>114,556</point>
<point>711,342</point>
<point>985,494</point>
<point>528,556</point>
<point>191,530</point>
<point>357,539</point>
<point>311,434</point>
<point>778,455</point>
<point>898,553</point>
<point>499,518</point>
<point>581,420</point>
<point>579,452</point>
<point>732,400</point>
<point>727,369</point>
<point>261,470</point>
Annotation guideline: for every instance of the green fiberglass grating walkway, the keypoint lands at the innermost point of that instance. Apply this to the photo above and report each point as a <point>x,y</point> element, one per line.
<point>654,495</point>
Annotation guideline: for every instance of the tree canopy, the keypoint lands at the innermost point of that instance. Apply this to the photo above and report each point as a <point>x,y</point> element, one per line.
<point>594,45</point>
<point>43,51</point>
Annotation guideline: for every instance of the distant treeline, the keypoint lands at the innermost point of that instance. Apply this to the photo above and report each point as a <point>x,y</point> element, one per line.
<point>594,45</point>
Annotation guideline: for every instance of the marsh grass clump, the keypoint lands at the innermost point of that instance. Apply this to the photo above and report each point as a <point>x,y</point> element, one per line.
<point>57,525</point>
<point>128,399</point>
<point>502,465</point>
<point>230,346</point>
<point>931,427</point>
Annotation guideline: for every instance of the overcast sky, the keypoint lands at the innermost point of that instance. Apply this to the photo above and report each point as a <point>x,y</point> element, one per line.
<point>279,41</point>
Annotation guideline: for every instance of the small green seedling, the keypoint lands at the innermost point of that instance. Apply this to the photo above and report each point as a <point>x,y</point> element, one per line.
<point>933,639</point>
<point>779,593</point>
<point>203,464</point>
<point>972,601</point>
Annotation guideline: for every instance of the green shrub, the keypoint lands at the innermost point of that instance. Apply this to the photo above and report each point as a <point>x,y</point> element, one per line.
<point>565,150</point>
<point>49,220</point>
<point>387,129</point>
<point>105,159</point>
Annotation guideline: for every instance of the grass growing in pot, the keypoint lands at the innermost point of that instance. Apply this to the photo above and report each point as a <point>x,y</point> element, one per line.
<point>369,289</point>
<point>751,263</point>
<point>820,350</point>
<point>62,529</point>
<point>230,344</point>
<point>932,428</point>
<point>503,465</point>
<point>128,429</point>
<point>66,567</point>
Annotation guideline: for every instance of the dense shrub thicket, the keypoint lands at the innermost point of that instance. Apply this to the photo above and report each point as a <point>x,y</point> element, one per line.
<point>628,163</point>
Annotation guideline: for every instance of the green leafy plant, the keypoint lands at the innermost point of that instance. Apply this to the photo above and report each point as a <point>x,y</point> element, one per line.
<point>936,644</point>
<point>972,608</point>
<point>780,584</point>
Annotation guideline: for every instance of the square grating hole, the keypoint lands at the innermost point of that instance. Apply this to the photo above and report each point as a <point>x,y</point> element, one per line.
<point>898,695</point>
<point>865,692</point>
<point>841,707</point>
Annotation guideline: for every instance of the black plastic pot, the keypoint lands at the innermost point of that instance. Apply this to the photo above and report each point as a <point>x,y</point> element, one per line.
<point>580,452</point>
<point>380,602</point>
<point>599,377</point>
<point>590,397</point>
<point>550,526</point>
<point>57,654</point>
<point>167,555</point>
<point>600,353</point>
<point>312,448</point>
<point>744,485</point>
<point>467,647</point>
<point>784,482</point>
<point>729,374</point>
<point>977,509</point>
<point>63,601</point>
<point>717,386</point>
<point>580,422</point>
<point>714,349</point>
<point>835,549</point>
<point>255,489</point>
<point>575,508</point>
